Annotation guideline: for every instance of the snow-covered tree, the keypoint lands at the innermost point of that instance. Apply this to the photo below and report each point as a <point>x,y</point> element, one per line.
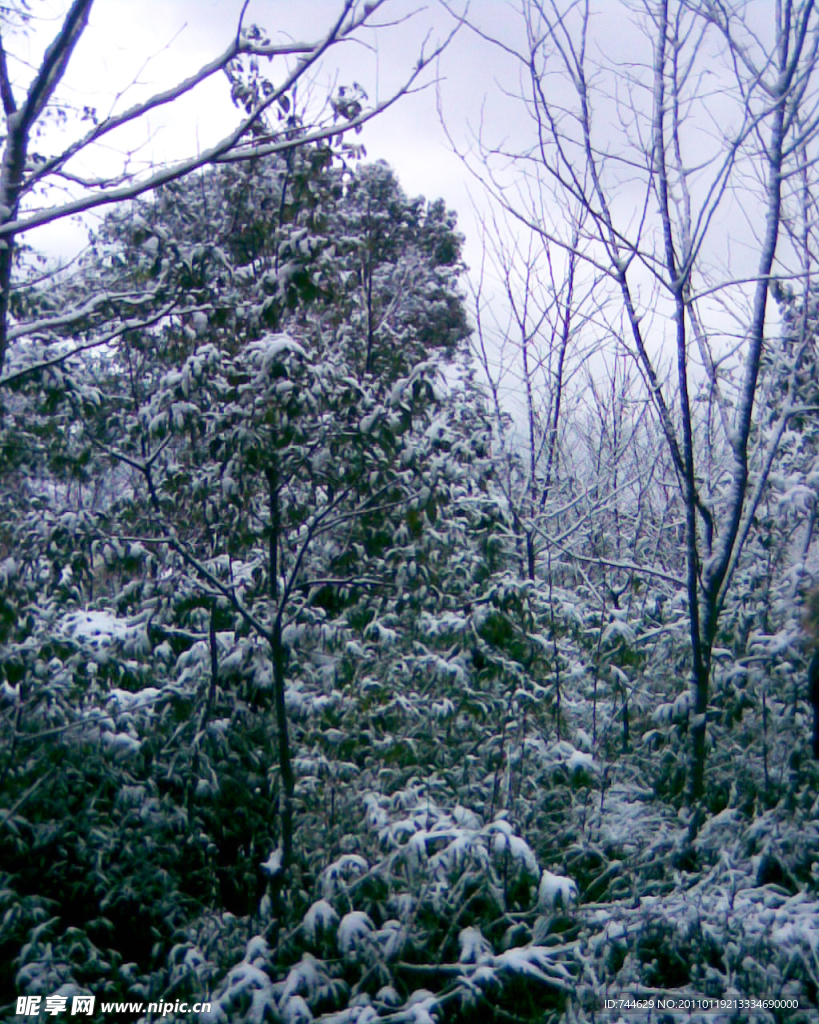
<point>36,170</point>
<point>666,275</point>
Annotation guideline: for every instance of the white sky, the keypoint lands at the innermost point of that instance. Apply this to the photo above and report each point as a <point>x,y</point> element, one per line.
<point>133,48</point>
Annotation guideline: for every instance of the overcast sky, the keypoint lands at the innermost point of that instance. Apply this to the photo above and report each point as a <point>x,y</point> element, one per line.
<point>133,48</point>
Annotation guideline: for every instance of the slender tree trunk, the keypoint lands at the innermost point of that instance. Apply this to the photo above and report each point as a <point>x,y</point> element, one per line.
<point>678,270</point>
<point>278,655</point>
<point>19,123</point>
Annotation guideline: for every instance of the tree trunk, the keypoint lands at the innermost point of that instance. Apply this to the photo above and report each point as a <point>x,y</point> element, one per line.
<point>278,655</point>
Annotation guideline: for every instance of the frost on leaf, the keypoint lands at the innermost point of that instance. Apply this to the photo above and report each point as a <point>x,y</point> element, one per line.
<point>556,892</point>
<point>421,1007</point>
<point>271,348</point>
<point>273,864</point>
<point>338,875</point>
<point>505,842</point>
<point>474,948</point>
<point>537,962</point>
<point>354,930</point>
<point>296,1011</point>
<point>319,918</point>
<point>247,982</point>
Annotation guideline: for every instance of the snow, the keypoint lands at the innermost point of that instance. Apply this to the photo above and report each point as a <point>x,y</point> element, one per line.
<point>128,702</point>
<point>581,762</point>
<point>583,740</point>
<point>354,929</point>
<point>342,871</point>
<point>257,949</point>
<point>9,694</point>
<point>272,347</point>
<point>617,630</point>
<point>98,627</point>
<point>273,864</point>
<point>802,930</point>
<point>465,818</point>
<point>474,947</point>
<point>556,892</point>
<point>676,711</point>
<point>8,570</point>
<point>537,962</point>
<point>504,841</point>
<point>120,744</point>
<point>420,1008</point>
<point>319,918</point>
<point>296,1011</point>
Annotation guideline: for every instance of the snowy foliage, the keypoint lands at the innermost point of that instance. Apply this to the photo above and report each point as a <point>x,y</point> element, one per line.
<point>278,515</point>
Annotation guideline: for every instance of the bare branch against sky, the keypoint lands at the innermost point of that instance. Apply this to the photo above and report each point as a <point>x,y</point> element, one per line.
<point>48,176</point>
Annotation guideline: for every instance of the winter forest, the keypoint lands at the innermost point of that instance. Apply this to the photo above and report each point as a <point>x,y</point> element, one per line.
<point>384,638</point>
